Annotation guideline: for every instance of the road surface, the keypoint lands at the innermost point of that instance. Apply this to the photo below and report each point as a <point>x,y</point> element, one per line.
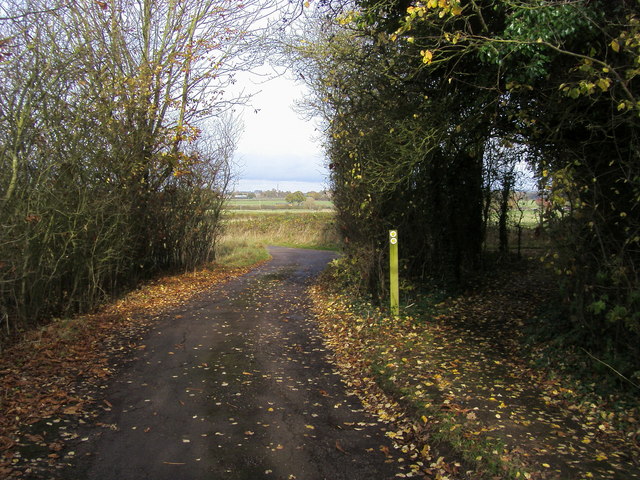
<point>235,385</point>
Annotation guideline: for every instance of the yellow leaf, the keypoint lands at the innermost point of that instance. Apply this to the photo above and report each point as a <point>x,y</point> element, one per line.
<point>73,410</point>
<point>425,451</point>
<point>615,46</point>
<point>604,84</point>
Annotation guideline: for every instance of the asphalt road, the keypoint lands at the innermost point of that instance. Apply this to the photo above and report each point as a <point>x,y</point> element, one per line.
<point>235,385</point>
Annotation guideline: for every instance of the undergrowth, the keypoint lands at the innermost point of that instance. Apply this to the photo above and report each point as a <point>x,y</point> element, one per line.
<point>468,367</point>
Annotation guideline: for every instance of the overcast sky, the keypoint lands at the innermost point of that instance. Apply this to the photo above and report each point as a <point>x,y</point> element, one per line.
<point>278,148</point>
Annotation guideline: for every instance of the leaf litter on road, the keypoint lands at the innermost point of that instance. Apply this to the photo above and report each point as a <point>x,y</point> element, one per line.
<point>282,355</point>
<point>39,375</point>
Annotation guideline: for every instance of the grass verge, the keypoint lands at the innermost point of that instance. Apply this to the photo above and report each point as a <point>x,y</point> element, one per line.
<point>239,253</point>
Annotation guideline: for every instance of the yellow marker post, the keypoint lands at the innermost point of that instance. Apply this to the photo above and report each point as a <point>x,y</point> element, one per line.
<point>394,283</point>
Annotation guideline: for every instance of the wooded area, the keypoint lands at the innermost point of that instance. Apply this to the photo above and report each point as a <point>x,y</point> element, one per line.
<point>116,136</point>
<point>432,107</point>
<point>117,132</point>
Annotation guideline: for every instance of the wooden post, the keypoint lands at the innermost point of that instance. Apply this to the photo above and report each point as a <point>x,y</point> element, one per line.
<point>394,284</point>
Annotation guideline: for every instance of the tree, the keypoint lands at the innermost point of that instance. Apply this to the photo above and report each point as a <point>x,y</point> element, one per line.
<point>115,148</point>
<point>310,203</point>
<point>399,157</point>
<point>296,197</point>
<point>415,93</point>
<point>574,108</point>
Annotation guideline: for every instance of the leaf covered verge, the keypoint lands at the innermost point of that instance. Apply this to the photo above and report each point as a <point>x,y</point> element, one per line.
<point>471,399</point>
<point>49,375</point>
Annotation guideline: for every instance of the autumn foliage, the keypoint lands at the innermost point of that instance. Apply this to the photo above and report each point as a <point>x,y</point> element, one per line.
<point>466,396</point>
<point>433,107</point>
<point>114,147</point>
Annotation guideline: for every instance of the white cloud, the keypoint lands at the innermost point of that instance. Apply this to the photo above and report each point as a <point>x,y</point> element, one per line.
<point>282,166</point>
<point>277,144</point>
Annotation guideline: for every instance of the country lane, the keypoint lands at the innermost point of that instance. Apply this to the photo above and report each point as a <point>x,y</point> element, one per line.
<point>236,384</point>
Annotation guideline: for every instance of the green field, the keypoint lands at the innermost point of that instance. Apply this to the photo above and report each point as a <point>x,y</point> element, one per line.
<point>252,224</point>
<point>277,205</point>
<point>526,214</point>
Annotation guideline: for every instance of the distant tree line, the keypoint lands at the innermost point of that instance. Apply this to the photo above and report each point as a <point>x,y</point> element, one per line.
<point>274,193</point>
<point>115,147</point>
<point>430,106</point>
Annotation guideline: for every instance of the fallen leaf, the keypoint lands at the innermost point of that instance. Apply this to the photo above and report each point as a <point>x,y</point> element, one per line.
<point>339,447</point>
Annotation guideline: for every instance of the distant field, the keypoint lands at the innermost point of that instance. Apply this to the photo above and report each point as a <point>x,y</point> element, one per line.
<point>530,215</point>
<point>247,232</point>
<point>251,224</point>
<point>304,229</point>
<point>276,205</point>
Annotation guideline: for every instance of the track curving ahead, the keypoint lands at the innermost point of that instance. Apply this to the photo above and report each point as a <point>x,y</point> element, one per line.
<point>235,385</point>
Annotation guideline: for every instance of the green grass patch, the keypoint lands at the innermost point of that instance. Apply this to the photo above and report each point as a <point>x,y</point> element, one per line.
<point>240,253</point>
